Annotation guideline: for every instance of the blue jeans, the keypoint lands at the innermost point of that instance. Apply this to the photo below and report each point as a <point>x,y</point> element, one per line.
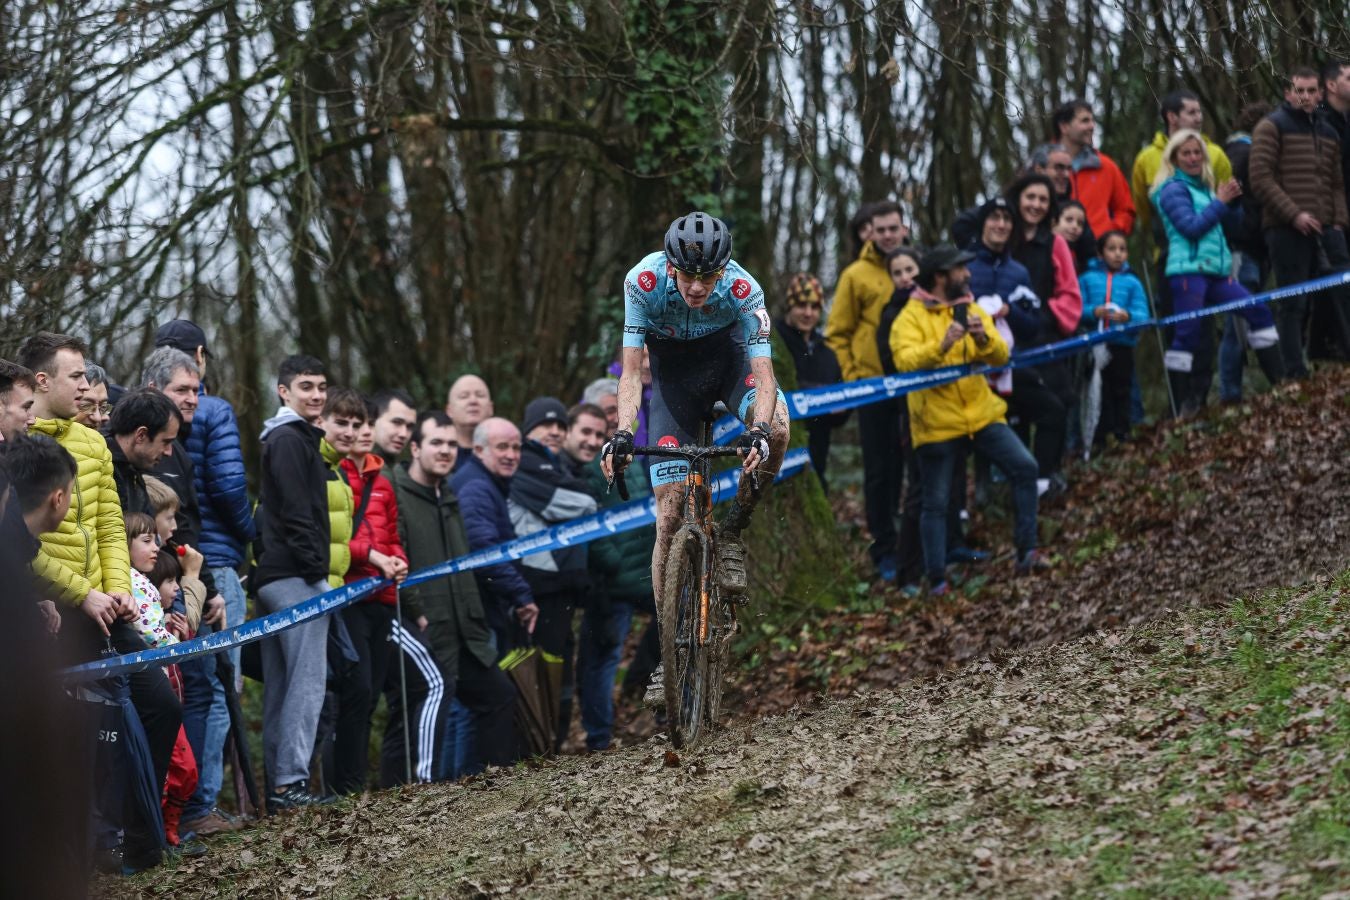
<point>1001,446</point>
<point>602,637</point>
<point>236,610</point>
<point>1233,349</point>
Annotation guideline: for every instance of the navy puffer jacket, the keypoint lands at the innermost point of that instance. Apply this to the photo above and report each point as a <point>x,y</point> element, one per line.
<point>222,489</point>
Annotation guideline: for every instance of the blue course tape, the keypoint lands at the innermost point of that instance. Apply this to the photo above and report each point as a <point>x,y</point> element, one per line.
<point>614,520</point>
<point>834,398</point>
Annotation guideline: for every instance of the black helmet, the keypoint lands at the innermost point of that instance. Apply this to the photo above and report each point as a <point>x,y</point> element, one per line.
<point>698,244</point>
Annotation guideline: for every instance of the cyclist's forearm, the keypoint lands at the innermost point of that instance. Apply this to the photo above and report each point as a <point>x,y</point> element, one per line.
<point>630,389</point>
<point>766,390</point>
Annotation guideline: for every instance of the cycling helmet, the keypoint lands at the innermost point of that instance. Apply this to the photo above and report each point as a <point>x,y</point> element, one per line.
<point>698,244</point>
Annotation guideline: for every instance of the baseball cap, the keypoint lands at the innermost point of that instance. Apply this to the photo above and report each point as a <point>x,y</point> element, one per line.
<point>181,334</point>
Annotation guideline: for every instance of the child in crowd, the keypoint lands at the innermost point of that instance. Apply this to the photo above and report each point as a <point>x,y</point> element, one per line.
<point>164,503</point>
<point>151,570</point>
<point>143,545</point>
<point>1113,297</point>
<point>1070,223</point>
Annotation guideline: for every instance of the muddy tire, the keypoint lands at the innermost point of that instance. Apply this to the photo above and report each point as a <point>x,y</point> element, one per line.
<point>685,663</point>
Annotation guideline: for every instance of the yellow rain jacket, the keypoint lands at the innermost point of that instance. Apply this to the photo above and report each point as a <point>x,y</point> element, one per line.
<point>864,288</point>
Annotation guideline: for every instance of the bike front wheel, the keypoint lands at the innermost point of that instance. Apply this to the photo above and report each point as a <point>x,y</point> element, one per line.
<point>684,660</point>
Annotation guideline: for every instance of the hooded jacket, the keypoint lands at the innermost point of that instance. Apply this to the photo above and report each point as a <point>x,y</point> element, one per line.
<point>1146,166</point>
<point>851,332</point>
<point>1102,286</point>
<point>221,482</point>
<point>1295,166</point>
<point>379,526</point>
<point>340,512</point>
<point>1193,217</point>
<point>431,529</point>
<point>292,513</point>
<point>89,550</point>
<point>130,481</point>
<point>487,522</point>
<point>1100,186</point>
<point>948,411</point>
<point>544,493</point>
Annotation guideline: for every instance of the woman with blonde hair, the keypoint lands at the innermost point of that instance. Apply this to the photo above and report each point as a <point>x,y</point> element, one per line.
<point>1193,211</point>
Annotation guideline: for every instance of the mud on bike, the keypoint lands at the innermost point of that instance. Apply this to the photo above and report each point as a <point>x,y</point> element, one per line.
<point>696,606</point>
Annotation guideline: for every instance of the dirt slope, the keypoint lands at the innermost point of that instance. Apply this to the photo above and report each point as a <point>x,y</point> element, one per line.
<point>1202,754</point>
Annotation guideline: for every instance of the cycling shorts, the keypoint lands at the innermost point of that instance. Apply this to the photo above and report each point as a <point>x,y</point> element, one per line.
<point>688,378</point>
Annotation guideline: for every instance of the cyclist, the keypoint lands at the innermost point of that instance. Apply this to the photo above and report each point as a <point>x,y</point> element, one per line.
<point>702,319</point>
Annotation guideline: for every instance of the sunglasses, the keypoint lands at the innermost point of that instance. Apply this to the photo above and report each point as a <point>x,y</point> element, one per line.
<point>708,278</point>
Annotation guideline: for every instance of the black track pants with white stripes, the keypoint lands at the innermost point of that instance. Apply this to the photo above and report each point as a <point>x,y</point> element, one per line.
<point>430,690</point>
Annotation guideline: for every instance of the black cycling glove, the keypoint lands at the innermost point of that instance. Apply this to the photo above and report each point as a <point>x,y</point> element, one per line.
<point>621,448</point>
<point>754,438</point>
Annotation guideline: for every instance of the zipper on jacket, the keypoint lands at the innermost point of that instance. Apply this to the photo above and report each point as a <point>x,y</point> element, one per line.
<point>79,523</point>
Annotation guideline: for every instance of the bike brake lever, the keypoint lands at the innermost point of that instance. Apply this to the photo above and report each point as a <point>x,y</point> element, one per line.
<point>621,482</point>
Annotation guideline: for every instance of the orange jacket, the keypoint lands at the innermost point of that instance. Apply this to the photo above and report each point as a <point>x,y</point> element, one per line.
<point>1105,194</point>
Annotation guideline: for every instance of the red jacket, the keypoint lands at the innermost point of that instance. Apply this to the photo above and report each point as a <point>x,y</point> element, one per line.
<point>1105,194</point>
<point>379,526</point>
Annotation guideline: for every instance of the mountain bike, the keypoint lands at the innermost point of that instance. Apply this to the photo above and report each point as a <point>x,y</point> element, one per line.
<point>697,616</point>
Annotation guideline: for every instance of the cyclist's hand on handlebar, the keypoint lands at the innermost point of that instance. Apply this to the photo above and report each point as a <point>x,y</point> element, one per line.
<point>754,446</point>
<point>617,453</point>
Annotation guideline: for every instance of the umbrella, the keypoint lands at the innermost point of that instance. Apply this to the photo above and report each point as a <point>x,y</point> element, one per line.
<point>246,786</point>
<point>123,759</point>
<point>538,679</point>
<point>1092,400</point>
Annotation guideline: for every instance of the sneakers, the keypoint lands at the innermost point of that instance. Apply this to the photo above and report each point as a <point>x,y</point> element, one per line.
<point>731,564</point>
<point>655,698</point>
<point>941,589</point>
<point>187,848</point>
<point>887,568</point>
<point>215,822</point>
<point>295,797</point>
<point>1031,562</point>
<point>959,555</point>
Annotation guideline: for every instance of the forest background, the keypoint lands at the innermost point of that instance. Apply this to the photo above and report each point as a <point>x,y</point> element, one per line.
<point>412,189</point>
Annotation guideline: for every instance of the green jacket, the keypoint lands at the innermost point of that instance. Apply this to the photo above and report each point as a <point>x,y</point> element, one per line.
<point>432,531</point>
<point>622,565</point>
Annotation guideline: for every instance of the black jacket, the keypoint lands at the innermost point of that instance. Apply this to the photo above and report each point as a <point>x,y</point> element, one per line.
<point>1340,123</point>
<point>1246,234</point>
<point>130,482</point>
<point>292,513</point>
<point>544,493</point>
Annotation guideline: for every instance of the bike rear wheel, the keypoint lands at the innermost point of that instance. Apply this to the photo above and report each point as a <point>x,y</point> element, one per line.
<point>685,662</point>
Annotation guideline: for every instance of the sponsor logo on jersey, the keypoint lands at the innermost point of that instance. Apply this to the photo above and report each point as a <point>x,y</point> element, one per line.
<point>764,323</point>
<point>740,289</point>
<point>671,470</point>
<point>668,441</point>
<point>749,381</point>
<point>647,281</point>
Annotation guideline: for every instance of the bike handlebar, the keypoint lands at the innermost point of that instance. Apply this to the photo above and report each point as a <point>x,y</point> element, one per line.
<point>690,453</point>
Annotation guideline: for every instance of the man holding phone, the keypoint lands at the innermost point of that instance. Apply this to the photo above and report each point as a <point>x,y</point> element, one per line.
<point>940,326</point>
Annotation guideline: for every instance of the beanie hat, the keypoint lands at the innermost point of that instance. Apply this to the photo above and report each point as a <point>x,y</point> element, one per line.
<point>805,288</point>
<point>544,409</point>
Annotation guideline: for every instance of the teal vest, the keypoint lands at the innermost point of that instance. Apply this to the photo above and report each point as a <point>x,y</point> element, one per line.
<point>1209,254</point>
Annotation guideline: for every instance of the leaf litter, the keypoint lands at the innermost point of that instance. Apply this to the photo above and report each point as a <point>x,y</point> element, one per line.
<point>1031,753</point>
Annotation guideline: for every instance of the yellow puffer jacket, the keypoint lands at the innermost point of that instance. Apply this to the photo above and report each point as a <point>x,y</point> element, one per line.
<point>89,550</point>
<point>863,290</point>
<point>340,512</point>
<point>954,410</point>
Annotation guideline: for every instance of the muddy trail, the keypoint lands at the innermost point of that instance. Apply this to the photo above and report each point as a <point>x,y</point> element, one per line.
<point>1088,731</point>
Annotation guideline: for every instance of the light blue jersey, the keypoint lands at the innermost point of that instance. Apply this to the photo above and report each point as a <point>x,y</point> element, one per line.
<point>652,305</point>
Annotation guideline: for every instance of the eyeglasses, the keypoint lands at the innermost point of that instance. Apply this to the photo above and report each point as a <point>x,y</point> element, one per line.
<point>707,278</point>
<point>90,406</point>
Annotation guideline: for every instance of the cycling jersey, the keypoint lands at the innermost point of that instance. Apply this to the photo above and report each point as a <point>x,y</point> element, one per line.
<point>652,305</point>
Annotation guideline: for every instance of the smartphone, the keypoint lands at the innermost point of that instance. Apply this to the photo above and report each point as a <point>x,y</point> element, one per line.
<point>959,313</point>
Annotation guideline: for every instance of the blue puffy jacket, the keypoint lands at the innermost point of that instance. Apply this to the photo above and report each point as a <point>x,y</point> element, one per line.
<point>1193,217</point>
<point>222,489</point>
<point>487,522</point>
<point>998,274</point>
<point>1100,286</point>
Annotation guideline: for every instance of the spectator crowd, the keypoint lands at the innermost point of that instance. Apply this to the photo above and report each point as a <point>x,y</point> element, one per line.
<point>132,509</point>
